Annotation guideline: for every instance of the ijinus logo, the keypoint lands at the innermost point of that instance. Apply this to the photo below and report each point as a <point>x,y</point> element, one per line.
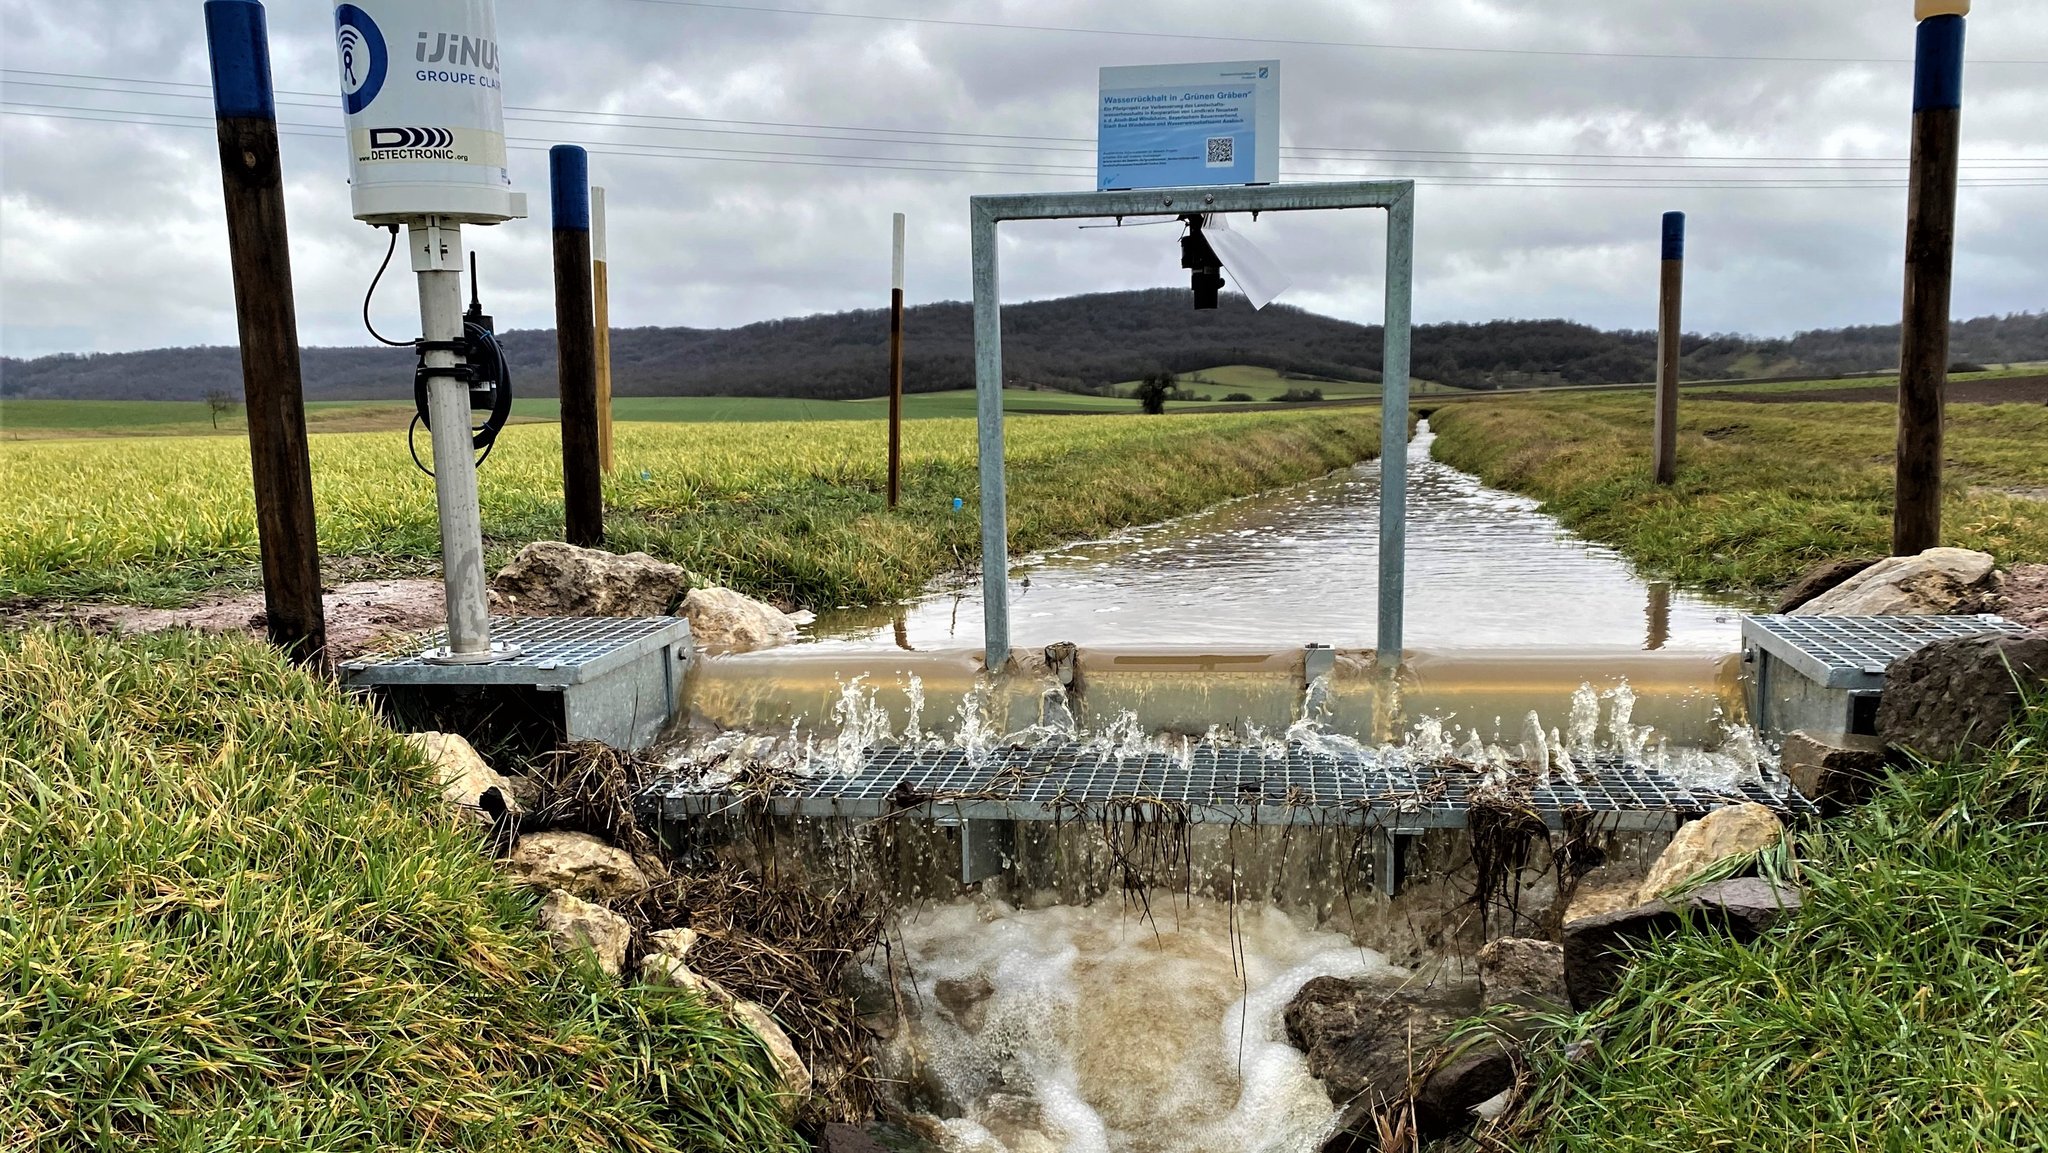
<point>364,60</point>
<point>458,51</point>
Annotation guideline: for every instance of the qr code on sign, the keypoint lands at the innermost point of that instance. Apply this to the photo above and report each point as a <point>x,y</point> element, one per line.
<point>1222,152</point>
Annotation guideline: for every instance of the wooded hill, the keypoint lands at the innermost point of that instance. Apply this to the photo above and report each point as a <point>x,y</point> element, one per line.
<point>1079,343</point>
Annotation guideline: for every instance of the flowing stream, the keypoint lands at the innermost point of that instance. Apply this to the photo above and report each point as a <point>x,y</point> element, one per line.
<point>1486,569</point>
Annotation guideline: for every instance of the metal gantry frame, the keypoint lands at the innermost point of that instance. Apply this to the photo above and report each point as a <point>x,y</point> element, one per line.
<point>1397,197</point>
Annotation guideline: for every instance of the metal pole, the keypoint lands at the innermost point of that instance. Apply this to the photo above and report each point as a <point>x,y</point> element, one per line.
<point>1670,303</point>
<point>436,248</point>
<point>1930,262</point>
<point>576,343</point>
<point>238,42</point>
<point>601,288</point>
<point>988,396</point>
<point>896,368</point>
<point>1394,428</point>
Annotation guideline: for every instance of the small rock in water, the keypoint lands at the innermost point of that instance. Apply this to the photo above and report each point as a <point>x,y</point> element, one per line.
<point>724,620</point>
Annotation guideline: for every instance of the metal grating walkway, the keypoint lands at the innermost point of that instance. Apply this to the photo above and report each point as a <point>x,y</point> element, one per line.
<point>1853,652</point>
<point>556,651</point>
<point>1214,783</point>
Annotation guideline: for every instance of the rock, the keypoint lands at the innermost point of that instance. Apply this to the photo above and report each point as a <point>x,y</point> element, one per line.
<point>789,1064</point>
<point>672,942</point>
<point>2026,596</point>
<point>1364,1036</point>
<point>841,1138</point>
<point>724,620</point>
<point>1938,582</point>
<point>1523,972</point>
<point>1820,579</point>
<point>578,862</point>
<point>1596,948</point>
<point>1956,694</point>
<point>573,925</point>
<point>1700,845</point>
<point>965,1000</point>
<point>464,778</point>
<point>1608,889</point>
<point>669,972</point>
<point>1481,1069</point>
<point>550,578</point>
<point>1830,775</point>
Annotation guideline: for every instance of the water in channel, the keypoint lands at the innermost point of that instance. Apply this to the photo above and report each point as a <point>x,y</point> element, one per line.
<point>1486,569</point>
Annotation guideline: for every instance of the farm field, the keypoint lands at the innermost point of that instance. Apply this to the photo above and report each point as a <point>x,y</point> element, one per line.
<point>785,510</point>
<point>1764,491</point>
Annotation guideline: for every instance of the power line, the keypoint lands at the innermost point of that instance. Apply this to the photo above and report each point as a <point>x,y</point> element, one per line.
<point>891,163</point>
<point>1467,157</point>
<point>763,10</point>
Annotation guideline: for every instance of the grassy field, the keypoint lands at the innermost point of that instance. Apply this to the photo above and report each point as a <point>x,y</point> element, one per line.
<point>1906,1008</point>
<point>235,917</point>
<point>792,511</point>
<point>1763,492</point>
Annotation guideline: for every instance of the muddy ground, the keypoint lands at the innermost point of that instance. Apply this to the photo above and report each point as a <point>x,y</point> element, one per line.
<point>2009,390</point>
<point>362,616</point>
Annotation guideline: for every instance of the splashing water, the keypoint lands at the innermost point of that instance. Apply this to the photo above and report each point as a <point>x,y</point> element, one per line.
<point>862,723</point>
<point>1091,1030</point>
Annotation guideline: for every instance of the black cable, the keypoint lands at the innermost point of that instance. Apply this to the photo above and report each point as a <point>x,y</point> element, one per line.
<point>388,253</point>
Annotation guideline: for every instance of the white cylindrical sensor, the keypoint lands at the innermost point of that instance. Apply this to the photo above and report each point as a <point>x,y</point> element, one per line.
<point>426,115</point>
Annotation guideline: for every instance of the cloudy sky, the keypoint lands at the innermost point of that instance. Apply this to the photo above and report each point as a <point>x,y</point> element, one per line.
<point>754,150</point>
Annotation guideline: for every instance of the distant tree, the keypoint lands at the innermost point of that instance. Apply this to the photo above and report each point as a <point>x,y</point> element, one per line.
<point>1967,366</point>
<point>1239,397</point>
<point>219,403</point>
<point>1301,395</point>
<point>1154,390</point>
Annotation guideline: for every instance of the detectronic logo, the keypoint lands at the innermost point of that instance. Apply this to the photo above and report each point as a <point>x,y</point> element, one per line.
<point>364,60</point>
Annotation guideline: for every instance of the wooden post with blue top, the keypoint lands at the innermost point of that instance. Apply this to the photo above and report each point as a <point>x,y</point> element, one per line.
<point>245,112</point>
<point>1930,262</point>
<point>576,343</point>
<point>1670,307</point>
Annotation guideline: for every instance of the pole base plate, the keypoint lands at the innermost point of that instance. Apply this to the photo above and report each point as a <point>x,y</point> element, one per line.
<point>499,651</point>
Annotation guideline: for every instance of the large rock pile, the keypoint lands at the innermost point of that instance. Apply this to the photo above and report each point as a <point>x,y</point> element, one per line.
<point>550,578</point>
<point>1937,582</point>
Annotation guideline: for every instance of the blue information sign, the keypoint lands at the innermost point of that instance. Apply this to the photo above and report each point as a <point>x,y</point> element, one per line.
<point>1169,125</point>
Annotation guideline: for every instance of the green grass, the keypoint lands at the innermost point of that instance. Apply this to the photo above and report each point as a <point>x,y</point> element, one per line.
<point>792,511</point>
<point>234,918</point>
<point>1763,491</point>
<point>1905,1010</point>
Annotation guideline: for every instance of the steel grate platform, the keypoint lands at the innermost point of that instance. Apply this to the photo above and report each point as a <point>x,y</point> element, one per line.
<point>1853,652</point>
<point>1216,783</point>
<point>558,651</point>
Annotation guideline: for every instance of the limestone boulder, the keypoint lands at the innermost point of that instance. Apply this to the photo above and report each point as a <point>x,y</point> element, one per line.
<point>1596,949</point>
<point>1702,844</point>
<point>465,778</point>
<point>722,620</point>
<point>574,925</point>
<point>551,578</point>
<point>1937,582</point>
<point>1524,973</point>
<point>577,862</point>
<point>1821,579</point>
<point>1957,694</point>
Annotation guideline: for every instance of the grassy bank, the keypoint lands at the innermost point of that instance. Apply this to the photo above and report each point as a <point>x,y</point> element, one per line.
<point>232,918</point>
<point>1763,492</point>
<point>793,511</point>
<point>1907,1009</point>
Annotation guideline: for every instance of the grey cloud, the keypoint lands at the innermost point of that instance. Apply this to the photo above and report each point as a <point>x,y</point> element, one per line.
<point>111,235</point>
